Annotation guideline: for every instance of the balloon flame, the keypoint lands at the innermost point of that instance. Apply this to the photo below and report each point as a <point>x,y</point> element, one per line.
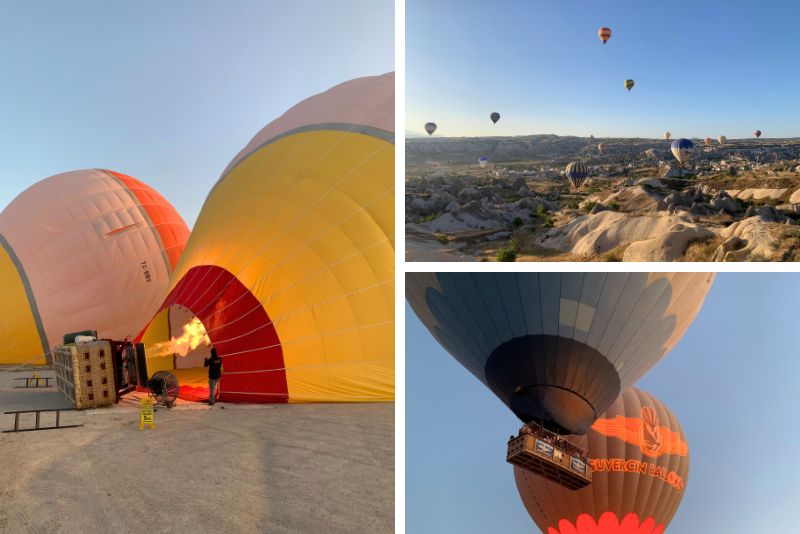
<point>194,335</point>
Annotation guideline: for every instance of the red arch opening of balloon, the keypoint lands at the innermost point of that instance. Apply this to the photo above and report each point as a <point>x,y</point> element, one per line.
<point>241,331</point>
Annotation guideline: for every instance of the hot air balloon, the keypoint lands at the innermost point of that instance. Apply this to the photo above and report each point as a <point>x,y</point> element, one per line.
<point>721,140</point>
<point>601,147</point>
<point>430,127</point>
<point>83,250</point>
<point>557,348</point>
<point>604,34</point>
<point>707,140</point>
<point>483,160</point>
<point>683,150</point>
<point>290,266</point>
<point>629,84</point>
<point>576,173</point>
<point>757,133</point>
<point>495,116</point>
<point>640,466</point>
<point>667,135</point>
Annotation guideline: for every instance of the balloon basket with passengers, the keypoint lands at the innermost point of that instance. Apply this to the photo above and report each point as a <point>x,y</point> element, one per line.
<point>550,455</point>
<point>93,372</point>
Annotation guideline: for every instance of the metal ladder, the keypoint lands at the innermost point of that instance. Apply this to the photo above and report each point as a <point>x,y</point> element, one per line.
<point>37,425</point>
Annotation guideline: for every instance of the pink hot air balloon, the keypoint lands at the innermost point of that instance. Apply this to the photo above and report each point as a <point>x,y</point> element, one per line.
<point>92,250</point>
<point>757,133</point>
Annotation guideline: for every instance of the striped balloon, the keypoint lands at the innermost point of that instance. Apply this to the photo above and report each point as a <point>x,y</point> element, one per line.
<point>557,348</point>
<point>629,84</point>
<point>577,173</point>
<point>604,33</point>
<point>683,150</point>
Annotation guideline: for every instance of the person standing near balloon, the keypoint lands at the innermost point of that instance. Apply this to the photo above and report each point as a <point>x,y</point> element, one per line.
<point>214,364</point>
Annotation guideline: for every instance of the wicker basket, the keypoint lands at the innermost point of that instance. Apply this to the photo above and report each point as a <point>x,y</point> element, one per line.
<point>85,373</point>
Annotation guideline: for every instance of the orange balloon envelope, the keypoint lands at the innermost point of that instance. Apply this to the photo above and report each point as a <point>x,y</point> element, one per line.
<point>640,465</point>
<point>604,34</point>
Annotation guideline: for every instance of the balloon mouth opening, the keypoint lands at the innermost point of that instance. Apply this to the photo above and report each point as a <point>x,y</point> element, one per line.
<point>557,409</point>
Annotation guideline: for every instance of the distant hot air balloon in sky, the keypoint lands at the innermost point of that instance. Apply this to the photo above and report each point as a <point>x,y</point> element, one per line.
<point>683,150</point>
<point>721,140</point>
<point>576,173</point>
<point>667,135</point>
<point>89,249</point>
<point>707,140</point>
<point>601,147</point>
<point>430,127</point>
<point>629,84</point>
<point>495,116</point>
<point>757,133</point>
<point>290,265</point>
<point>483,160</point>
<point>640,466</point>
<point>557,348</point>
<point>604,34</point>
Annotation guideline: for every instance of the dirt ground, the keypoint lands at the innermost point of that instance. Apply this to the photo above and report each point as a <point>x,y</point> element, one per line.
<point>227,468</point>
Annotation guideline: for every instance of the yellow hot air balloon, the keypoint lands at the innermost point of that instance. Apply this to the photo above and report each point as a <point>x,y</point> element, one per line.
<point>604,34</point>
<point>667,135</point>
<point>290,267</point>
<point>629,84</point>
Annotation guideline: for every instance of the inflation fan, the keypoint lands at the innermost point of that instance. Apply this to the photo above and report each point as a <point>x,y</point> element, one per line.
<point>163,388</point>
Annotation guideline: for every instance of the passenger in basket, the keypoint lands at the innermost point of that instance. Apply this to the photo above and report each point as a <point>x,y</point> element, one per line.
<point>214,365</point>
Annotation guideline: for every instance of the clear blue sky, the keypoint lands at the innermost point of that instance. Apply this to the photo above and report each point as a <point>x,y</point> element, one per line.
<point>701,68</point>
<point>732,381</point>
<point>168,91</point>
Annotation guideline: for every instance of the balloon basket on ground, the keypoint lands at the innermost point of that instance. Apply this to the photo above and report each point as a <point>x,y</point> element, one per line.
<point>99,372</point>
<point>85,374</point>
<point>540,452</point>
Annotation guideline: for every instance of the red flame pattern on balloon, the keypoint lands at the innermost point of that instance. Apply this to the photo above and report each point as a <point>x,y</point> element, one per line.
<point>608,523</point>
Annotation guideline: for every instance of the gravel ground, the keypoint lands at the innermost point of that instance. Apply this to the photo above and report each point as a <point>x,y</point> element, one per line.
<point>227,468</point>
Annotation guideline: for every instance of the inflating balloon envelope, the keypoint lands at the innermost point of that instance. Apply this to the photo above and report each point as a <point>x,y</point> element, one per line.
<point>87,249</point>
<point>290,266</point>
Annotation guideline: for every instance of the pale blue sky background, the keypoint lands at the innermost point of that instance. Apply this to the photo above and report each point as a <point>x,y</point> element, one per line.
<point>168,91</point>
<point>732,381</point>
<point>701,68</point>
